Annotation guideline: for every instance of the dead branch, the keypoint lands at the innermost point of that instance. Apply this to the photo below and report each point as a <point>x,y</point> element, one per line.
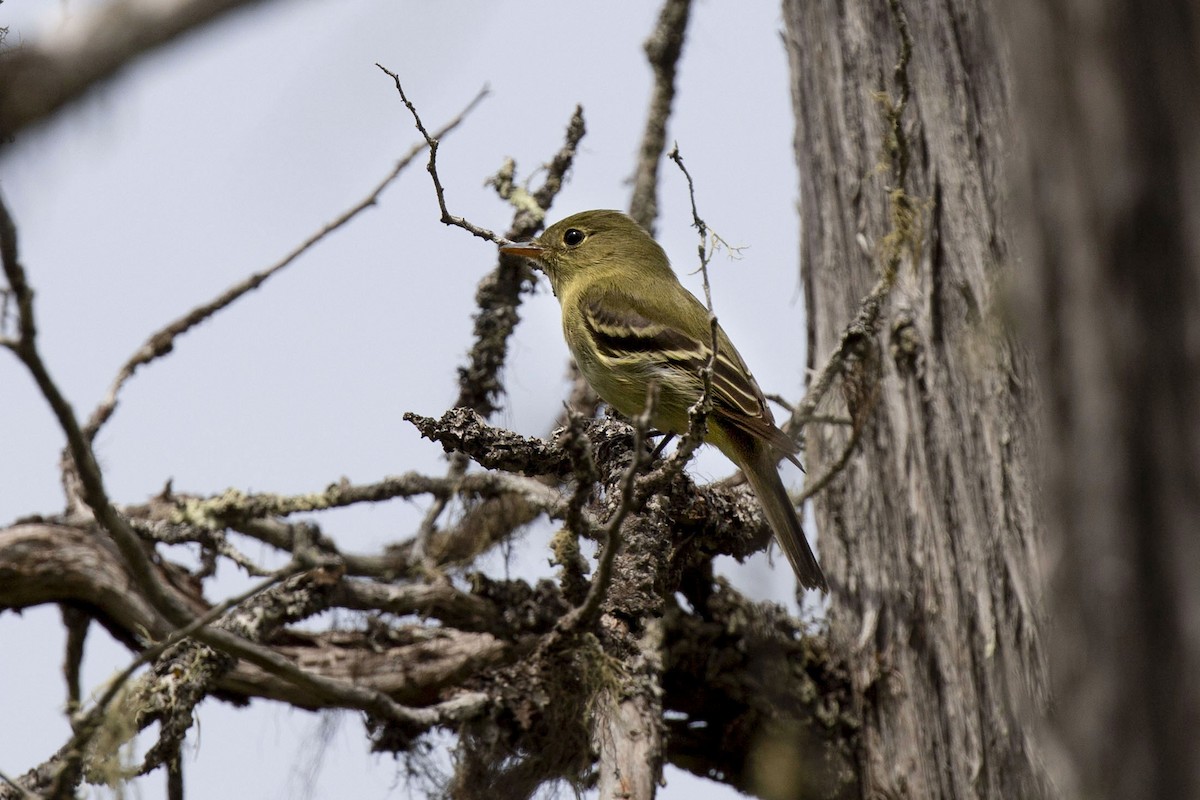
<point>432,143</point>
<point>162,341</point>
<point>462,430</point>
<point>40,78</point>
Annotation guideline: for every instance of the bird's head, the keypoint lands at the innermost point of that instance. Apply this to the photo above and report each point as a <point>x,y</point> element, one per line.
<point>595,244</point>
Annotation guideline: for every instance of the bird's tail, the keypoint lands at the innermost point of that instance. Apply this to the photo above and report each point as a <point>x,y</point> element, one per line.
<point>764,477</point>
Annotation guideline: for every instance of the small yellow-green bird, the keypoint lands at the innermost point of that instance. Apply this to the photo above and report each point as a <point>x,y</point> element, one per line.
<point>629,321</point>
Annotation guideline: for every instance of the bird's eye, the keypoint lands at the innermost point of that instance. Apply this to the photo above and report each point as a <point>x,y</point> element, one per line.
<point>573,237</point>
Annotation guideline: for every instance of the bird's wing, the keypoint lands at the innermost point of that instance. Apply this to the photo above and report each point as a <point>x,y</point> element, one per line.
<point>623,332</point>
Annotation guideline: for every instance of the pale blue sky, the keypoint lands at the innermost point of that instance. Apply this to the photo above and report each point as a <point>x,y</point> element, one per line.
<point>214,158</point>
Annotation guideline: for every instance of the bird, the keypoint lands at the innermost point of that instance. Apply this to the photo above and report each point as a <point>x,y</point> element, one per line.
<point>629,322</point>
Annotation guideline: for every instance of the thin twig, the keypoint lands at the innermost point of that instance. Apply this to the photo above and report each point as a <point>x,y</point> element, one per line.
<point>814,486</point>
<point>583,463</point>
<point>698,412</point>
<point>91,481</point>
<point>699,224</point>
<point>5,315</point>
<point>163,341</point>
<point>420,555</point>
<point>433,143</point>
<point>790,408</point>
<point>18,286</point>
<point>565,544</point>
<point>213,542</point>
<point>830,419</point>
<point>77,622</point>
<point>532,494</point>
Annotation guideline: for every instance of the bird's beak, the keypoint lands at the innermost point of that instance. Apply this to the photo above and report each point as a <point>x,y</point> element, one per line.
<point>527,249</point>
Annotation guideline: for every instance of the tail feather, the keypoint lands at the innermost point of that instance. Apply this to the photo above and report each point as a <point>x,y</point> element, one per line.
<point>777,506</point>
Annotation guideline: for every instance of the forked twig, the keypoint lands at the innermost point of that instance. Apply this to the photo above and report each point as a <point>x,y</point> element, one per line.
<point>432,142</point>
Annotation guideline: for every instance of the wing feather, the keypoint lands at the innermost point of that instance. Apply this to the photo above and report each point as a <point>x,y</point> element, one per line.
<point>622,334</point>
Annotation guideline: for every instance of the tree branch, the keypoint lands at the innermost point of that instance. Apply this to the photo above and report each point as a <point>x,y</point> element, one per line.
<point>162,342</point>
<point>462,430</point>
<point>432,143</point>
<point>39,78</point>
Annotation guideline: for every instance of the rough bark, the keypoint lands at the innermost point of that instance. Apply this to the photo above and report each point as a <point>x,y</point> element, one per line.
<point>1113,299</point>
<point>930,538</point>
<point>627,723</point>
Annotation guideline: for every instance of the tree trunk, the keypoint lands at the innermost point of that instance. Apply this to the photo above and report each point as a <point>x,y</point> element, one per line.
<point>1111,110</point>
<point>930,536</point>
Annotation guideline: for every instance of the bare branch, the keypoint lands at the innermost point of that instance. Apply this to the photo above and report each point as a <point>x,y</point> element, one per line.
<point>499,294</point>
<point>698,413</point>
<point>233,506</point>
<point>40,78</point>
<point>420,554</point>
<point>573,567</point>
<point>557,168</point>
<point>21,791</point>
<point>462,430</point>
<point>432,142</point>
<point>163,341</point>
<point>136,557</point>
<point>663,49</point>
<point>486,523</point>
<point>47,563</point>
<point>43,563</point>
<point>256,515</point>
<point>77,624</point>
<point>698,223</point>
<point>18,285</point>
<point>81,452</point>
<point>811,487</point>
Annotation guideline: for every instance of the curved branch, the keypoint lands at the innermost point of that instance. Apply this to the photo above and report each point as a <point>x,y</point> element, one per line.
<point>40,78</point>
